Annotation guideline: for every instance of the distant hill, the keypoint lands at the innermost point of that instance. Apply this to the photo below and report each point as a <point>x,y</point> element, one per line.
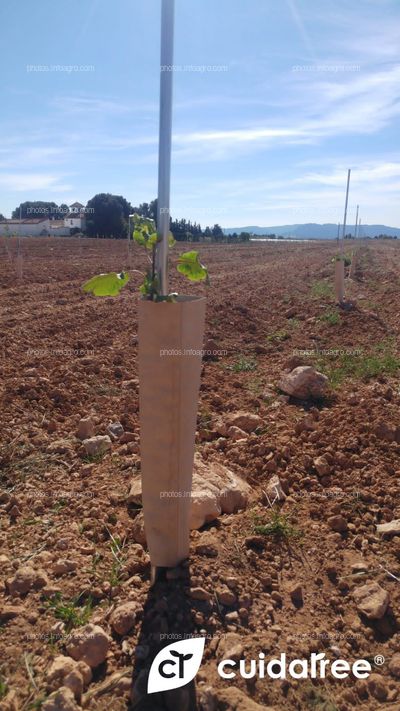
<point>312,230</point>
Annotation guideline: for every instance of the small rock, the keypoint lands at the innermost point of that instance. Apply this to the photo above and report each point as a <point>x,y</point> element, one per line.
<point>199,594</point>
<point>215,490</point>
<point>65,671</point>
<point>121,683</point>
<point>274,490</point>
<point>115,430</point>
<point>384,431</point>
<point>89,644</point>
<point>246,421</point>
<point>371,600</point>
<point>63,566</point>
<point>296,594</point>
<point>97,445</point>
<point>123,618</point>
<point>26,579</point>
<point>322,466</point>
<point>235,433</point>
<point>337,523</point>
<point>232,617</point>
<point>394,666</point>
<point>226,597</point>
<point>392,528</point>
<point>14,513</point>
<point>377,686</point>
<point>137,531</point>
<point>207,546</point>
<point>9,612</point>
<point>127,437</point>
<point>304,382</point>
<point>61,700</point>
<point>135,492</point>
<point>230,646</point>
<point>85,428</point>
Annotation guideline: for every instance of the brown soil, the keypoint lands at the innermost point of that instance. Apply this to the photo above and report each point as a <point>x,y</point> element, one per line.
<point>66,355</point>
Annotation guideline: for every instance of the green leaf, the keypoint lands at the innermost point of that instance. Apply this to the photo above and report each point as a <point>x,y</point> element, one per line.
<point>144,223</point>
<point>190,265</point>
<point>139,238</point>
<point>106,284</point>
<point>152,240</point>
<point>171,240</point>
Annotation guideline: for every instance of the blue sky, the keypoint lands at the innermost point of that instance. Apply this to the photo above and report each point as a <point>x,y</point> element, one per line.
<point>292,94</point>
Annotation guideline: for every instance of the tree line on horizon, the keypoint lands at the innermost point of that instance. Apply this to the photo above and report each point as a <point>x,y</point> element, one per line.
<point>107,215</point>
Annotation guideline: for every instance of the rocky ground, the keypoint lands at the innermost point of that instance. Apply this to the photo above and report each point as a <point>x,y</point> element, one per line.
<point>310,563</point>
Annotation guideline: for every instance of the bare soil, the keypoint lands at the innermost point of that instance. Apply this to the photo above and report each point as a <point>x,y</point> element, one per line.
<point>66,355</point>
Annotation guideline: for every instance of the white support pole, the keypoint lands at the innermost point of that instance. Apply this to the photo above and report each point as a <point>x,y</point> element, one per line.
<point>345,209</point>
<point>355,226</point>
<point>164,146</point>
<point>129,242</point>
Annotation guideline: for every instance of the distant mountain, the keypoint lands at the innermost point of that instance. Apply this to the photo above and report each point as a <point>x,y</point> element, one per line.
<point>312,230</point>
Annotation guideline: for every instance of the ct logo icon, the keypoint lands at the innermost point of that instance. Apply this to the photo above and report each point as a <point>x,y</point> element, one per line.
<point>176,665</point>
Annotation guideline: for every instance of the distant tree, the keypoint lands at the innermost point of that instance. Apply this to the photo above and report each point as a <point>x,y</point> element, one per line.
<point>62,211</point>
<point>147,209</point>
<point>34,209</point>
<point>107,215</point>
<point>218,233</point>
<point>2,218</point>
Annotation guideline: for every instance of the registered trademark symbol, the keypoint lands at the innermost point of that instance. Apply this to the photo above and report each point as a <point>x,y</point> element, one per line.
<point>379,660</point>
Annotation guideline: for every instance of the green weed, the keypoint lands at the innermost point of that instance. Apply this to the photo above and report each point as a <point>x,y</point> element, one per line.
<point>279,527</point>
<point>71,612</point>
<point>278,336</point>
<point>318,700</point>
<point>331,317</point>
<point>243,365</point>
<point>3,687</point>
<point>359,366</point>
<point>321,289</point>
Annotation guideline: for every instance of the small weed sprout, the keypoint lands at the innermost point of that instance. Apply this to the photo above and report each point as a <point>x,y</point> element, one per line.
<point>243,365</point>
<point>71,612</point>
<point>331,317</point>
<point>278,527</point>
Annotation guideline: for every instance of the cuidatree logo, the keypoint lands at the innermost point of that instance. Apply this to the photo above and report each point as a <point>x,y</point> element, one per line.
<point>176,665</point>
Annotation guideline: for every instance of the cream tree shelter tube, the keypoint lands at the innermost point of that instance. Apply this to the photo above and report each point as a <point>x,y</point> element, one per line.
<point>170,344</point>
<point>339,280</point>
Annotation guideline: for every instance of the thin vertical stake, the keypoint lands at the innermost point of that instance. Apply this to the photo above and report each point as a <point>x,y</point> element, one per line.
<point>355,226</point>
<point>164,145</point>
<point>345,208</point>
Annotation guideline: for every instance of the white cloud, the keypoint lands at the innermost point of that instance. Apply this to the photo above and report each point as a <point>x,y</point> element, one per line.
<point>32,181</point>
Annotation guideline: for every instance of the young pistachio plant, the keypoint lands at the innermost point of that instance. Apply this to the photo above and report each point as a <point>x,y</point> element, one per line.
<point>145,235</point>
<point>342,258</point>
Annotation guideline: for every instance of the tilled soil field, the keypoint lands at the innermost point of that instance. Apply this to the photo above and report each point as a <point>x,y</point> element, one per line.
<point>307,571</point>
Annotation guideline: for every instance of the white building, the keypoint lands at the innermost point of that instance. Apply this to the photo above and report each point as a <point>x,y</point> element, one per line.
<point>76,217</point>
<point>33,227</point>
<point>44,226</point>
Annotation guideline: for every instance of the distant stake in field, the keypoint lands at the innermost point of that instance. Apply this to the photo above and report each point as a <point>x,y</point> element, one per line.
<point>19,262</point>
<point>340,258</point>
